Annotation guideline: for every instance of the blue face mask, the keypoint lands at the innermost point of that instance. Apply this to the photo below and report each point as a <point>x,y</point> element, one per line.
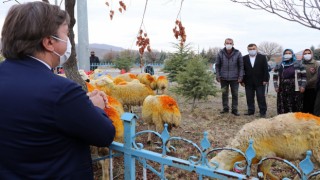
<point>66,55</point>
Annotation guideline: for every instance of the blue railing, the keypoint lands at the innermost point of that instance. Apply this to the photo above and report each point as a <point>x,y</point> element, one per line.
<point>106,65</point>
<point>133,152</point>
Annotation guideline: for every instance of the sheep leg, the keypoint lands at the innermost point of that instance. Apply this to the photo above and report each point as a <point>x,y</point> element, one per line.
<point>316,150</point>
<point>266,171</point>
<point>149,134</point>
<point>105,169</point>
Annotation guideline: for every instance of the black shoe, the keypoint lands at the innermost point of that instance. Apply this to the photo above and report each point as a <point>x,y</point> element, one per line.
<point>235,113</point>
<point>224,111</point>
<point>263,116</point>
<point>248,114</point>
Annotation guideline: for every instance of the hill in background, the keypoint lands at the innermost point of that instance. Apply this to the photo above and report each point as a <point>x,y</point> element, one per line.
<point>101,49</point>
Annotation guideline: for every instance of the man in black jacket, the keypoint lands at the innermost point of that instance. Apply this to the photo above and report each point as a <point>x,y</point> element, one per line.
<point>94,61</point>
<point>256,77</point>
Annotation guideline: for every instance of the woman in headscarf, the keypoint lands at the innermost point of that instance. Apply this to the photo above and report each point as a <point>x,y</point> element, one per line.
<point>289,80</point>
<point>311,67</point>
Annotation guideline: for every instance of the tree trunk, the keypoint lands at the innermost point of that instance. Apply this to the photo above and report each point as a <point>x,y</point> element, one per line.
<point>71,67</point>
<point>193,104</point>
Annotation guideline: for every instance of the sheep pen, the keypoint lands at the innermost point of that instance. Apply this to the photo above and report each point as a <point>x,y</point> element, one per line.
<point>221,129</point>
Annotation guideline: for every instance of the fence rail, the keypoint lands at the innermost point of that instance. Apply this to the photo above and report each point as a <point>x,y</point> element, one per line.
<point>133,152</point>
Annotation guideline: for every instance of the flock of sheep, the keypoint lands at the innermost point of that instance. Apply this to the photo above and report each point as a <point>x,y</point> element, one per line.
<point>287,136</point>
<point>129,90</point>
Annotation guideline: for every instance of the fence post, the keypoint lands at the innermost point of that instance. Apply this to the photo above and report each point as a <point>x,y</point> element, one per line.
<point>129,120</point>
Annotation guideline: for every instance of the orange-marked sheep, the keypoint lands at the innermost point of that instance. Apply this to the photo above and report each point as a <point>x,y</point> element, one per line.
<point>158,110</point>
<point>127,93</point>
<point>162,84</point>
<point>287,136</point>
<point>147,79</point>
<point>127,77</point>
<point>113,110</point>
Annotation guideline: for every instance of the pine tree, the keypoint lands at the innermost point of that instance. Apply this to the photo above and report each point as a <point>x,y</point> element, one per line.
<point>177,61</point>
<point>124,61</point>
<point>196,82</point>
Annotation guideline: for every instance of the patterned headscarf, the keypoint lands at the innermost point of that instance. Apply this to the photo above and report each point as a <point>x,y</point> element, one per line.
<point>288,62</point>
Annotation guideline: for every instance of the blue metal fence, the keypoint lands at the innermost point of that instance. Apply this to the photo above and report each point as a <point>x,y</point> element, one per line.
<point>133,152</point>
<point>105,65</point>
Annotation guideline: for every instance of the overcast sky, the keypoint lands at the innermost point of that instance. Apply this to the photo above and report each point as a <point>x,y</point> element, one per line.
<point>207,23</point>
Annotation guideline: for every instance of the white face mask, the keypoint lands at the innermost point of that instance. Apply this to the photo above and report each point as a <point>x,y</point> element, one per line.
<point>228,46</point>
<point>252,52</point>
<point>287,57</point>
<point>66,55</point>
<point>307,57</point>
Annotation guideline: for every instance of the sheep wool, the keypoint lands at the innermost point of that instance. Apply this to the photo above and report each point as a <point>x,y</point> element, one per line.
<point>160,109</point>
<point>287,136</point>
<point>147,79</point>
<point>162,84</point>
<point>90,87</point>
<point>115,117</point>
<point>114,110</point>
<point>127,93</point>
<point>127,77</point>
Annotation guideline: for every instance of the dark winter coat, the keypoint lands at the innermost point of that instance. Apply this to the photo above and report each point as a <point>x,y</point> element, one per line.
<point>229,66</point>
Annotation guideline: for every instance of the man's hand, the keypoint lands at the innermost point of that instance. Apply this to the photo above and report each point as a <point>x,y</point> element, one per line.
<point>218,79</point>
<point>98,98</point>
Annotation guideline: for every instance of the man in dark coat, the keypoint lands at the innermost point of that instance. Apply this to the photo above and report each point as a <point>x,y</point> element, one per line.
<point>94,60</point>
<point>229,72</point>
<point>256,77</point>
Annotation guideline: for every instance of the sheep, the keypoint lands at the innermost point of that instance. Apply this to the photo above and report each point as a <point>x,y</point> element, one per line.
<point>147,79</point>
<point>127,77</point>
<point>101,85</point>
<point>127,93</point>
<point>114,115</point>
<point>158,110</point>
<point>118,80</point>
<point>287,136</point>
<point>162,84</point>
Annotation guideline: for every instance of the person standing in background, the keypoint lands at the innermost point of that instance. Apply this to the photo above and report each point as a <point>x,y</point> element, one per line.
<point>94,60</point>
<point>229,72</point>
<point>310,94</point>
<point>289,81</point>
<point>256,77</point>
<point>149,69</point>
<point>47,122</point>
<point>316,109</point>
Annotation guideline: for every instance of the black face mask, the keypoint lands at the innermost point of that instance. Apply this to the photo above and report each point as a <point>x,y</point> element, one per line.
<point>92,54</point>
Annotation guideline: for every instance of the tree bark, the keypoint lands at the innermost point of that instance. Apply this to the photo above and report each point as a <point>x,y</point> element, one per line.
<point>71,67</point>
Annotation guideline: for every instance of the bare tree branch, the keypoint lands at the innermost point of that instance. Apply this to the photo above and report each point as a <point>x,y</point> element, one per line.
<point>11,0</point>
<point>270,49</point>
<point>305,12</point>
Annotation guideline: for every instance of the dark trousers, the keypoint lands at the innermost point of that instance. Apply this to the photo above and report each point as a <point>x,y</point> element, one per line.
<point>309,97</point>
<point>316,110</point>
<point>261,98</point>
<point>234,86</point>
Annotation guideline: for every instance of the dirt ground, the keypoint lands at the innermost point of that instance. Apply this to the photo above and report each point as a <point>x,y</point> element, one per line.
<point>206,117</point>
